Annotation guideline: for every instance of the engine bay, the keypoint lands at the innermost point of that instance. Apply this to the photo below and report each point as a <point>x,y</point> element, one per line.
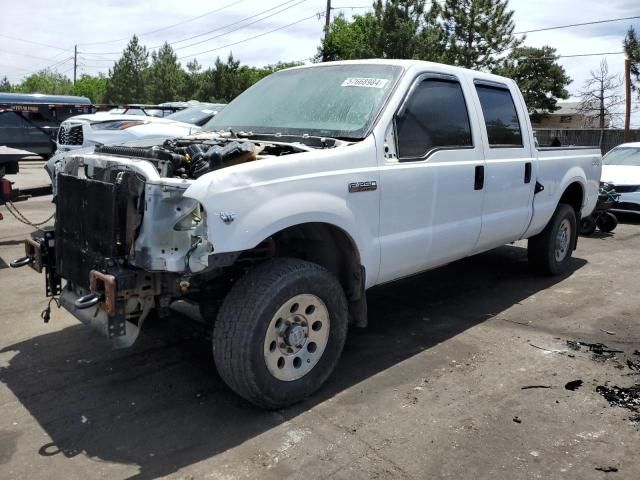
<point>192,158</point>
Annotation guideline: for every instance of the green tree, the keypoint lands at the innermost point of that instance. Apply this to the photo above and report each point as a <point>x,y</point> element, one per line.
<point>46,81</point>
<point>165,76</point>
<point>192,83</point>
<point>477,32</point>
<point>399,21</point>
<point>395,29</point>
<point>540,78</point>
<point>94,87</point>
<point>632,49</point>
<point>5,85</point>
<point>431,39</point>
<point>128,78</point>
<point>347,40</point>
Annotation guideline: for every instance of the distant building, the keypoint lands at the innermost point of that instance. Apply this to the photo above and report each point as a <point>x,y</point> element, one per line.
<point>568,116</point>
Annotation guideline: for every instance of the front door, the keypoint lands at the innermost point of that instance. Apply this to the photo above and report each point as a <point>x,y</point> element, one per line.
<point>431,179</point>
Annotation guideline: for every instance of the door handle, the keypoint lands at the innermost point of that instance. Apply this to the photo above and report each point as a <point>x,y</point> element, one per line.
<point>479,180</point>
<point>527,172</point>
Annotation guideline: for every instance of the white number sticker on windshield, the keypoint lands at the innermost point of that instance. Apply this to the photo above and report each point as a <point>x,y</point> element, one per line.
<point>365,82</point>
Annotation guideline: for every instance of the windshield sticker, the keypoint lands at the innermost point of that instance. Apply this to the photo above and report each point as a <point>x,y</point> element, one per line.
<point>365,82</point>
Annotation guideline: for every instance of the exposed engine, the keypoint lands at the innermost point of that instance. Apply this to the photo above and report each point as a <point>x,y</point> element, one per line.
<point>193,158</point>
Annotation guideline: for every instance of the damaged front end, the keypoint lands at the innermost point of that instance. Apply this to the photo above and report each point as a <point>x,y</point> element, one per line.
<point>125,239</point>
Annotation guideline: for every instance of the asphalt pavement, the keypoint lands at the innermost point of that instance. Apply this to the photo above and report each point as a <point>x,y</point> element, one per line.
<point>462,373</point>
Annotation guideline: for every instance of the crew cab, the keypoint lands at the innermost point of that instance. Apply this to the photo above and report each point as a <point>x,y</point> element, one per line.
<point>311,187</point>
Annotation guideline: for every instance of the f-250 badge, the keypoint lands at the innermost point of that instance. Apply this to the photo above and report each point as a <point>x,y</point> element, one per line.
<point>363,186</point>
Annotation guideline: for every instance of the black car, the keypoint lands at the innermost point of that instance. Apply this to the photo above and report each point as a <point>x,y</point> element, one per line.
<point>30,121</point>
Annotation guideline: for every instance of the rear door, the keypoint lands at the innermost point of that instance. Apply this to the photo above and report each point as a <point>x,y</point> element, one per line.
<point>510,164</point>
<point>431,190</point>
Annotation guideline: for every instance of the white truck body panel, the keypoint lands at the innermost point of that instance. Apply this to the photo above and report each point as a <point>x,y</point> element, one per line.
<point>421,215</point>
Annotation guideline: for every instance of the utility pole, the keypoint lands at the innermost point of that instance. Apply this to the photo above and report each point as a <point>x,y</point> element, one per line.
<point>627,92</point>
<point>75,63</point>
<point>327,21</point>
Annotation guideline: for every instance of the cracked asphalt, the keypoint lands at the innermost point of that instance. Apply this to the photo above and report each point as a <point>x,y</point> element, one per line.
<point>432,389</point>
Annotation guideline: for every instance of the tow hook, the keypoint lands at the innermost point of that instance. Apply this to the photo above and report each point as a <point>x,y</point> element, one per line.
<point>21,262</point>
<point>88,301</point>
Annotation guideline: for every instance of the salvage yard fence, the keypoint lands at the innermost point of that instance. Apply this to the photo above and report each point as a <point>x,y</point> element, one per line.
<point>586,137</point>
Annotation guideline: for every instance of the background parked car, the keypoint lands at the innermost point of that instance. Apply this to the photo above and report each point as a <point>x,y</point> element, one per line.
<point>30,121</point>
<point>114,128</point>
<point>621,170</point>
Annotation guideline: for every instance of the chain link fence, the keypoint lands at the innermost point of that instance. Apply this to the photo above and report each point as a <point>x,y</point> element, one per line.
<point>606,139</point>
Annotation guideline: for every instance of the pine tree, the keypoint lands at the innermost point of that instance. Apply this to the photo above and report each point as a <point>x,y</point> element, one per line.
<point>165,76</point>
<point>478,32</point>
<point>5,85</point>
<point>128,79</point>
<point>399,21</point>
<point>540,78</point>
<point>632,49</point>
<point>192,85</point>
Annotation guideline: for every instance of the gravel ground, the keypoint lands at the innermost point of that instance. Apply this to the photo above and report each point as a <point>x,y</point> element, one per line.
<point>432,389</point>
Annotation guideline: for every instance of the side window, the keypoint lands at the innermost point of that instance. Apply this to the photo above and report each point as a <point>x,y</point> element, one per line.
<point>11,126</point>
<point>435,116</point>
<point>500,116</point>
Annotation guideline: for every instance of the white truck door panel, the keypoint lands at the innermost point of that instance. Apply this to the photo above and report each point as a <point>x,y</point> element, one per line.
<point>430,211</point>
<point>510,165</point>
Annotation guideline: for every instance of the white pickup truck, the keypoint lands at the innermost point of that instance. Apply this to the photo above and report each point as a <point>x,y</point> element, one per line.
<point>314,185</point>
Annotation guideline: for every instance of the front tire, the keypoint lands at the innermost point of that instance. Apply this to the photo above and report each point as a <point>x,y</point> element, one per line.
<point>550,251</point>
<point>280,332</point>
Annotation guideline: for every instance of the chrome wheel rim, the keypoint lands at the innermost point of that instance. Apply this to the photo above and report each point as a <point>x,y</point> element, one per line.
<point>296,337</point>
<point>563,238</point>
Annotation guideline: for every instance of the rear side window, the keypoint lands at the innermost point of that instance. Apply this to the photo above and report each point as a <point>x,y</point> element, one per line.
<point>500,116</point>
<point>435,116</point>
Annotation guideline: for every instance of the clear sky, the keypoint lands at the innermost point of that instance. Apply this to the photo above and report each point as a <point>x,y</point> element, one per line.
<point>56,26</point>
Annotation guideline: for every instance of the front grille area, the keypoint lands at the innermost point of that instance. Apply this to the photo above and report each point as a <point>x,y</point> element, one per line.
<point>86,226</point>
<point>68,135</point>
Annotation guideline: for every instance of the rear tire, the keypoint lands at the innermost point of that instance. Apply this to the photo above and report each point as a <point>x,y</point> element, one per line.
<point>587,226</point>
<point>550,251</point>
<point>280,332</point>
<point>607,222</point>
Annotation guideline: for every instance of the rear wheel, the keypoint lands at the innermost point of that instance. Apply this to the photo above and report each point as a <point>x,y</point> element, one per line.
<point>587,226</point>
<point>550,251</point>
<point>280,331</point>
<point>607,222</point>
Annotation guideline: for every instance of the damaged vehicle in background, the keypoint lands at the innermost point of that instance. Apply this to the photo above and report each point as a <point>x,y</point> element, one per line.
<point>312,186</point>
<point>109,128</point>
<point>621,171</point>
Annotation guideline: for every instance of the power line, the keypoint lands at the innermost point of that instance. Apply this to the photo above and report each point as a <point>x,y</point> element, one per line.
<point>31,41</point>
<point>210,31</point>
<point>595,22</point>
<point>240,28</point>
<point>315,15</point>
<point>570,56</point>
<point>168,26</point>
<point>14,67</point>
<point>18,54</point>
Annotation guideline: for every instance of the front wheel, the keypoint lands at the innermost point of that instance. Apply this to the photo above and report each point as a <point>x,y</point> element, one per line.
<point>280,332</point>
<point>550,251</point>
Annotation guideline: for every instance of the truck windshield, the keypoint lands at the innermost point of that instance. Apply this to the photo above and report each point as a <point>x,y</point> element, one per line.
<point>623,156</point>
<point>340,101</point>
